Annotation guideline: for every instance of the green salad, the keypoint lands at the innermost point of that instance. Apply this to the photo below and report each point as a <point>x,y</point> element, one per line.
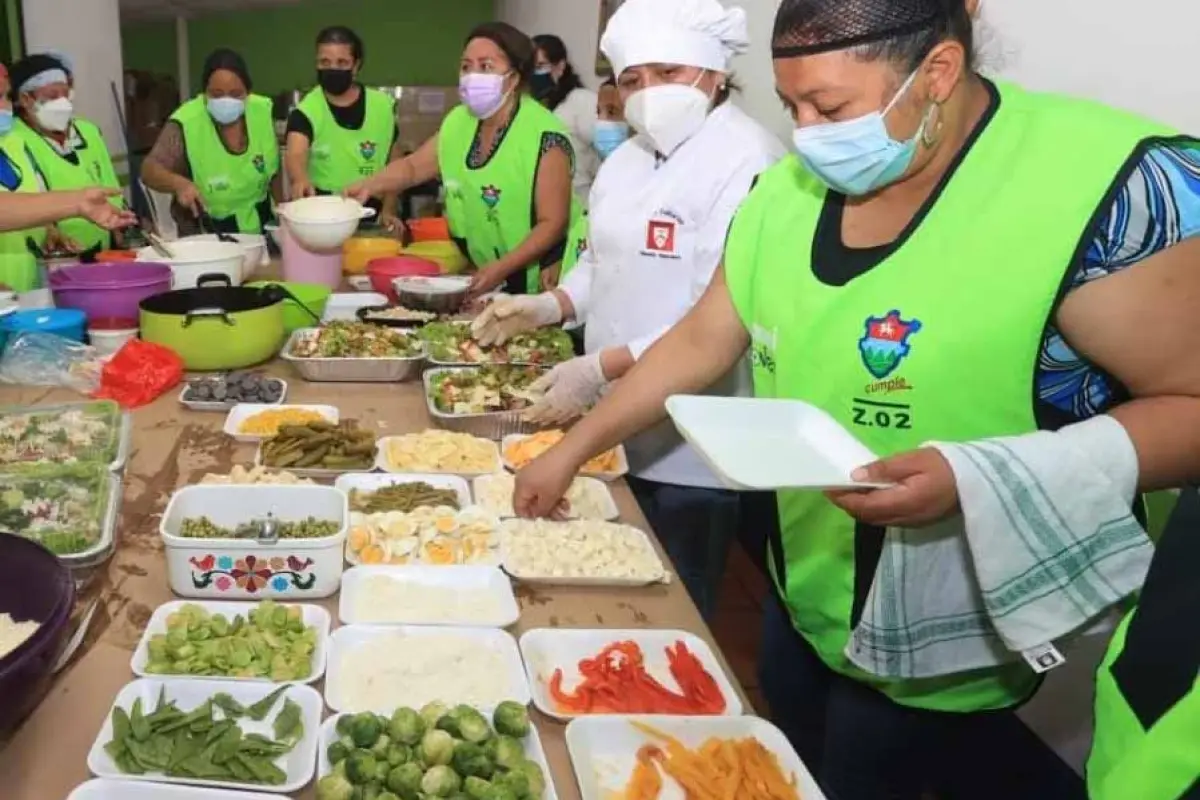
<point>65,434</point>
<point>451,343</point>
<point>60,506</point>
<point>485,390</point>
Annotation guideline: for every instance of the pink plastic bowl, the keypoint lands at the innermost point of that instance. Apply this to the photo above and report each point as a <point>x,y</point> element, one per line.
<point>382,271</point>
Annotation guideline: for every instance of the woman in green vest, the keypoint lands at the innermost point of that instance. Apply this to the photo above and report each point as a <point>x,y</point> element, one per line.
<point>68,151</point>
<point>18,266</point>
<point>342,132</point>
<point>506,163</point>
<point>945,258</point>
<point>218,155</point>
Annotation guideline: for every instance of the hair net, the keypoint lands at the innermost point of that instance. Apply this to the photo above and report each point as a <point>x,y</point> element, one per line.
<point>62,58</point>
<point>693,33</point>
<point>805,27</point>
<point>33,72</point>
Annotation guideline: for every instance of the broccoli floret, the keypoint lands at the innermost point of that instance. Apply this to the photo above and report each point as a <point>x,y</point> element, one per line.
<point>470,760</point>
<point>440,781</point>
<point>365,730</point>
<point>511,719</point>
<point>334,787</point>
<point>406,726</point>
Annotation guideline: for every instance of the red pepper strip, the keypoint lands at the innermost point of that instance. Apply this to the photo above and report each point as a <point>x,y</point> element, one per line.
<point>616,682</point>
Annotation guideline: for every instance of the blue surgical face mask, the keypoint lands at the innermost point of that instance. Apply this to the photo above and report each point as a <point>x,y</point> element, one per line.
<point>6,121</point>
<point>608,136</point>
<point>857,156</point>
<point>226,110</point>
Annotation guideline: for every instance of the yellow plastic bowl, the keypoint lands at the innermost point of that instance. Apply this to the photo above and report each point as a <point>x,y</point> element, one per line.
<point>444,254</point>
<point>362,250</point>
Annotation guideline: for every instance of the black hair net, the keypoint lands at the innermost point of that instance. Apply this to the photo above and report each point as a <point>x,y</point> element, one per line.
<point>805,27</point>
<point>224,58</point>
<point>31,66</point>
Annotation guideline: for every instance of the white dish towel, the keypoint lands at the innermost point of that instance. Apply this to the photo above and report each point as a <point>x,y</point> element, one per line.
<point>1045,544</point>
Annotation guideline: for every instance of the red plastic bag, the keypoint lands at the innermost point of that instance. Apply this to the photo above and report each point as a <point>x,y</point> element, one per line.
<point>139,373</point>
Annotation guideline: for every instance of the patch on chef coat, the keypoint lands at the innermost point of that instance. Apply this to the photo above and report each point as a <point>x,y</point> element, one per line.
<point>662,239</point>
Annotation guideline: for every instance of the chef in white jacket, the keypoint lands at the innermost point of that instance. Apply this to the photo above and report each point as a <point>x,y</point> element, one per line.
<point>659,212</point>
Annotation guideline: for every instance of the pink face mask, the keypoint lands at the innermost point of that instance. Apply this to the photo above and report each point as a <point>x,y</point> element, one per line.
<point>482,93</point>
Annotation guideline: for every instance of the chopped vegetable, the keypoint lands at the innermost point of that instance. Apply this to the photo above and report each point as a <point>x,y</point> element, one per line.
<point>485,390</point>
<point>525,449</point>
<point>357,340</point>
<point>402,497</point>
<point>320,445</point>
<point>451,343</point>
<point>73,433</point>
<point>59,506</point>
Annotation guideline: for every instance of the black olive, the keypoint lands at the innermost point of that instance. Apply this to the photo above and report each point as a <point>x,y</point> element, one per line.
<point>220,393</point>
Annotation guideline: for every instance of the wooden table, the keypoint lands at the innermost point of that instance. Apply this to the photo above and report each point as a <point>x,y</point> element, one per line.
<point>173,447</point>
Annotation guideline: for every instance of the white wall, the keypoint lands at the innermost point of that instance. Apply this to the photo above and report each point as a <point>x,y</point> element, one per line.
<point>576,22</point>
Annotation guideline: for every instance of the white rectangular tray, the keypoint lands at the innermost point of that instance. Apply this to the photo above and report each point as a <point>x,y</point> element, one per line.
<point>762,445</point>
<point>304,472</point>
<point>533,751</point>
<point>550,580</point>
<point>344,306</point>
<point>607,477</point>
<point>489,579</point>
<point>299,764</point>
<point>243,411</point>
<point>314,617</point>
<point>373,481</point>
<point>346,639</point>
<point>105,789</point>
<point>230,505</point>
<point>603,750</point>
<point>383,464</point>
<point>596,487</point>
<point>202,405</point>
<point>547,649</point>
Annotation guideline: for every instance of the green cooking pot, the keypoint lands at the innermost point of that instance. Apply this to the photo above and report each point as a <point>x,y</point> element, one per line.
<point>306,305</point>
<point>216,326</point>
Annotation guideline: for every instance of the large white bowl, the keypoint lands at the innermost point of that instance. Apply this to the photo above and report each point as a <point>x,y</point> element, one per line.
<point>253,244</point>
<point>324,223</point>
<point>191,260</point>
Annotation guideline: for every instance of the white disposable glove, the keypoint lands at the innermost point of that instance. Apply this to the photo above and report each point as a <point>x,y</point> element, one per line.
<point>508,315</point>
<point>570,389</point>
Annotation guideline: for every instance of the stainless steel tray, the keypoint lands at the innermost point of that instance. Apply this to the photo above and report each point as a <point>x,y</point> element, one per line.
<point>107,543</point>
<point>495,425</point>
<point>124,443</point>
<point>351,370</point>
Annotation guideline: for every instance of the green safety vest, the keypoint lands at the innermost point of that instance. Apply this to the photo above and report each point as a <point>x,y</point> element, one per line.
<point>338,157</point>
<point>95,168</point>
<point>18,266</point>
<point>577,244</point>
<point>231,185</point>
<point>937,343</point>
<point>493,207</point>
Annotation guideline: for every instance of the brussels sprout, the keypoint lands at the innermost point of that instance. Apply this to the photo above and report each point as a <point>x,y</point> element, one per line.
<point>381,746</point>
<point>334,787</point>
<point>361,767</point>
<point>440,781</point>
<point>386,795</point>
<point>449,723</point>
<point>537,779</point>
<point>382,768</point>
<point>343,724</point>
<point>500,793</point>
<point>398,754</point>
<point>405,781</point>
<point>476,788</point>
<point>337,752</point>
<point>509,753</point>
<point>406,726</point>
<point>516,782</point>
<point>437,748</point>
<point>365,730</point>
<point>472,726</point>
<point>371,790</point>
<point>432,712</point>
<point>470,760</point>
<point>511,719</point>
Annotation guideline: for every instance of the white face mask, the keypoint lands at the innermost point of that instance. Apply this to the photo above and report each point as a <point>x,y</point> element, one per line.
<point>55,115</point>
<point>668,115</point>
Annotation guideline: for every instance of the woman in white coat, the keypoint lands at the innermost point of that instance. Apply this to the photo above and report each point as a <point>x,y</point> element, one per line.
<point>556,84</point>
<point>660,208</point>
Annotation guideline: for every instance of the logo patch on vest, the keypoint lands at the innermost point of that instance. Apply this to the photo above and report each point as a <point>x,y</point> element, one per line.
<point>10,173</point>
<point>260,164</point>
<point>885,344</point>
<point>491,198</point>
<point>367,149</point>
<point>580,249</point>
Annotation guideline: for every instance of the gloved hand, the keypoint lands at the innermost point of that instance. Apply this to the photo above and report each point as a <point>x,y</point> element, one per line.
<point>508,315</point>
<point>570,389</point>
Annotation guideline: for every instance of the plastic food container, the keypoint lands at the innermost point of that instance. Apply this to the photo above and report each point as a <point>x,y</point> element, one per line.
<point>481,488</point>
<point>350,370</point>
<point>384,271</point>
<point>324,223</point>
<point>384,464</point>
<point>429,229</point>
<point>496,425</point>
<point>212,405</point>
<point>254,248</point>
<point>360,251</point>
<point>109,290</point>
<point>191,261</point>
<point>479,579</point>
<point>446,255</point>
<point>66,322</point>
<point>345,306</point>
<point>81,502</point>
<point>106,789</point>
<point>442,294</point>
<point>90,432</point>
<point>510,528</point>
<point>244,411</point>
<point>248,569</point>
<point>109,334</point>
<point>115,256</point>
<point>312,296</point>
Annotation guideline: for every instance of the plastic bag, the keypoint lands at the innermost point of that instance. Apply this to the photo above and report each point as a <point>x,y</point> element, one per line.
<point>139,373</point>
<point>45,359</point>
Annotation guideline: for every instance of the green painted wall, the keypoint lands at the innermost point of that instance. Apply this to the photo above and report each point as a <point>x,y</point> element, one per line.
<point>407,42</point>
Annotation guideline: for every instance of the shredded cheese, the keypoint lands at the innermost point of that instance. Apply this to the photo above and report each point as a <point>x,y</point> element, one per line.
<point>383,599</point>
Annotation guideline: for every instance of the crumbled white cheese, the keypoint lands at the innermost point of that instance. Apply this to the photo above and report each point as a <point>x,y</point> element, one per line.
<point>13,634</point>
<point>580,549</point>
<point>383,599</point>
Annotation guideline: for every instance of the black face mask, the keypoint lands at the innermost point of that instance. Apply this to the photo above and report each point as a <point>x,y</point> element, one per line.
<point>541,84</point>
<point>335,81</point>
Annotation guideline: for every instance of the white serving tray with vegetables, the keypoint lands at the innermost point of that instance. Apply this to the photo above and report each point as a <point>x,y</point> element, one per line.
<point>274,749</point>
<point>603,751</point>
<point>426,595</point>
<point>104,789</point>
<point>598,467</point>
<point>436,734</point>
<point>243,411</point>
<point>206,639</point>
<point>374,481</point>
<point>579,553</point>
<point>545,650</point>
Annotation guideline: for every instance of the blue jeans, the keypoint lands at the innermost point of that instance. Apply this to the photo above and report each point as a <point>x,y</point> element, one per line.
<point>862,746</point>
<point>696,527</point>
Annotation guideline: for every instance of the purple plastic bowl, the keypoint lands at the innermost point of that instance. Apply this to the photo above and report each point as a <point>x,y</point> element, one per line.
<point>109,290</point>
<point>35,585</point>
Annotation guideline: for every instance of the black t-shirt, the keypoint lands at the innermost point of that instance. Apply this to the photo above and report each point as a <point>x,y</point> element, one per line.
<point>350,117</point>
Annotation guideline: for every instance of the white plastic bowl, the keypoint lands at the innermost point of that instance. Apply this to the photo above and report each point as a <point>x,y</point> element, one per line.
<point>107,341</point>
<point>323,224</point>
<point>192,260</point>
<point>253,244</point>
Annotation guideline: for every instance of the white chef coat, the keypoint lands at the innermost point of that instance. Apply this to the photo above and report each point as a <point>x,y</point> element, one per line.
<point>578,113</point>
<point>657,233</point>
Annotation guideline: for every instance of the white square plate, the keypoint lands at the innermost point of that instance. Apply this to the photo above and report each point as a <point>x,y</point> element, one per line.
<point>547,649</point>
<point>104,789</point>
<point>760,445</point>
<point>481,579</point>
<point>607,477</point>
<point>593,488</point>
<point>604,750</point>
<point>313,616</point>
<point>374,481</point>
<point>384,464</point>
<point>189,695</point>
<point>243,411</point>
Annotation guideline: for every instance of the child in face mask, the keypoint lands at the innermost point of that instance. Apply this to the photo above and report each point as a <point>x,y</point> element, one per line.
<point>611,128</point>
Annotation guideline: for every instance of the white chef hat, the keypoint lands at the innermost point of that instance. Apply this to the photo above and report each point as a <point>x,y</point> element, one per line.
<point>693,33</point>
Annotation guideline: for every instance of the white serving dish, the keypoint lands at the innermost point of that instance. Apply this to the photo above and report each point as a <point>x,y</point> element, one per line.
<point>105,789</point>
<point>383,464</point>
<point>603,750</point>
<point>291,569</point>
<point>313,615</point>
<point>350,370</point>
<point>607,477</point>
<point>346,639</point>
<point>473,578</point>
<point>547,649</point>
<point>373,481</point>
<point>533,751</point>
<point>594,487</point>
<point>107,341</point>
<point>344,306</point>
<point>418,559</point>
<point>254,248</point>
<point>552,580</point>
<point>304,472</point>
<point>192,261</point>
<point>322,224</point>
<point>763,445</point>
<point>201,405</point>
<point>243,411</point>
<point>298,764</point>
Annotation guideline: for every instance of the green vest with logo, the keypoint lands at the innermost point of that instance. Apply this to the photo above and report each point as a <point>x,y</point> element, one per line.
<point>95,169</point>
<point>338,157</point>
<point>492,207</point>
<point>231,185</point>
<point>18,266</point>
<point>939,342</point>
<point>577,244</point>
